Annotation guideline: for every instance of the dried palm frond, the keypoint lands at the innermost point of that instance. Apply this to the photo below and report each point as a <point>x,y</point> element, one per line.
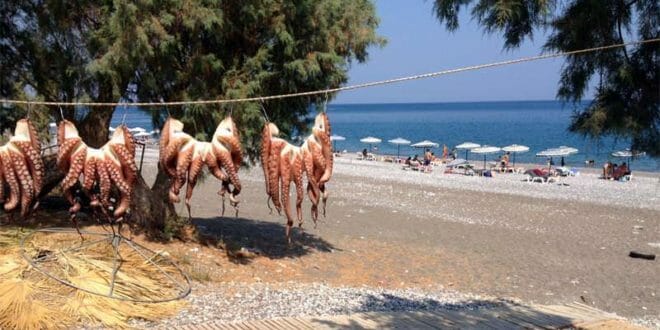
<point>33,301</point>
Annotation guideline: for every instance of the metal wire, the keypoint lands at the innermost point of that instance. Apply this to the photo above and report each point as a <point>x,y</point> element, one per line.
<point>115,240</point>
<point>338,89</point>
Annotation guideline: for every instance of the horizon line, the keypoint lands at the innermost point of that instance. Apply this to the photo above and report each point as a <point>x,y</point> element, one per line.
<point>456,102</point>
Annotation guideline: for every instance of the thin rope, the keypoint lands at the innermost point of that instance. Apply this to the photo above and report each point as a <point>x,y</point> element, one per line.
<point>339,89</point>
<point>325,103</point>
<point>264,112</point>
<point>123,117</point>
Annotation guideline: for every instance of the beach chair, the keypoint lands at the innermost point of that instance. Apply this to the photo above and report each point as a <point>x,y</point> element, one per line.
<point>360,156</point>
<point>563,171</point>
<point>539,175</point>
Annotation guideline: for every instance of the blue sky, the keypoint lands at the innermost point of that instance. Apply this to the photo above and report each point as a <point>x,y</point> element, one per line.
<point>418,43</point>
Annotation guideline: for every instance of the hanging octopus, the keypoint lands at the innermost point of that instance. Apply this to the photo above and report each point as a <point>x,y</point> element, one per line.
<point>318,162</point>
<point>111,166</point>
<point>183,158</point>
<point>284,163</point>
<point>21,169</point>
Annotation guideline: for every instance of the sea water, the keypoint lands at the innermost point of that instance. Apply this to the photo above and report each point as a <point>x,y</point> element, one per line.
<point>536,124</point>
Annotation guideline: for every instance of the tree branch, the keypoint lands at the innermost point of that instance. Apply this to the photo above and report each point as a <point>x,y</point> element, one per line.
<point>618,23</point>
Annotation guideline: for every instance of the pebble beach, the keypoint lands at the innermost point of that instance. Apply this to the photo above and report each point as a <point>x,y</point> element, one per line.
<point>431,240</point>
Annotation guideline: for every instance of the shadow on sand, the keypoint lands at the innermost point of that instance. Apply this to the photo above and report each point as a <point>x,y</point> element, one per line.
<point>404,313</point>
<point>240,235</point>
<point>241,238</point>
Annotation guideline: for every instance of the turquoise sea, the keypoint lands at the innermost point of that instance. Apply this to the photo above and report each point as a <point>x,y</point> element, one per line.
<point>536,124</point>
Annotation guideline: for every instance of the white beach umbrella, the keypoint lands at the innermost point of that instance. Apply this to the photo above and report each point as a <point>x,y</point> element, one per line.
<point>485,150</point>
<point>370,140</point>
<point>141,134</point>
<point>467,146</point>
<point>515,148</point>
<point>562,152</point>
<point>399,142</point>
<point>570,150</point>
<point>136,130</point>
<point>335,138</point>
<point>627,153</point>
<point>553,152</point>
<point>425,144</point>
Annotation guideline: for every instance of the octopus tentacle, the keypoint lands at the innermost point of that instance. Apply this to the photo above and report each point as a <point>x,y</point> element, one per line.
<point>34,162</point>
<point>324,199</point>
<point>312,184</point>
<point>125,189</point>
<point>214,168</point>
<point>127,160</point>
<point>34,137</point>
<point>89,173</point>
<point>12,181</point>
<point>228,164</point>
<point>77,165</point>
<point>182,165</point>
<point>196,166</point>
<point>2,181</point>
<point>76,168</point>
<point>266,144</point>
<point>274,169</point>
<point>285,177</point>
<point>61,130</point>
<point>66,148</point>
<point>105,184</point>
<point>25,181</point>
<point>128,141</point>
<point>168,159</point>
<point>164,137</point>
<point>298,180</point>
<point>326,146</point>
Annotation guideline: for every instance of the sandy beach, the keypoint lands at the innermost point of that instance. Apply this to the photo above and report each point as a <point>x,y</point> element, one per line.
<point>494,238</point>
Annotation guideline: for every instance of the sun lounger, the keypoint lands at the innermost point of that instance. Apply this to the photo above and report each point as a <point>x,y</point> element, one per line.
<point>539,175</point>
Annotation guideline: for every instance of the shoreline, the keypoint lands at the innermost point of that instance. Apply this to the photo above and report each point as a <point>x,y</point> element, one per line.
<point>479,163</point>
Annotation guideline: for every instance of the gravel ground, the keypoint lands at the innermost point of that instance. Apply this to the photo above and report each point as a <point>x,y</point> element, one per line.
<point>500,236</point>
<point>642,192</point>
<point>236,302</point>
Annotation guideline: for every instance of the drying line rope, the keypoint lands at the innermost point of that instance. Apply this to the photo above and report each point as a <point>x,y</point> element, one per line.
<point>334,90</point>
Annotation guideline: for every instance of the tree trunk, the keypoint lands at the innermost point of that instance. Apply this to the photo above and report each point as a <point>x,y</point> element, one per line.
<point>95,127</point>
<point>151,210</point>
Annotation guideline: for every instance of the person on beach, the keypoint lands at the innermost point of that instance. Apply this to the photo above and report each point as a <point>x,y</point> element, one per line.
<point>606,170</point>
<point>445,153</point>
<point>504,161</point>
<point>415,161</point>
<point>364,152</point>
<point>427,157</point>
<point>620,171</point>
